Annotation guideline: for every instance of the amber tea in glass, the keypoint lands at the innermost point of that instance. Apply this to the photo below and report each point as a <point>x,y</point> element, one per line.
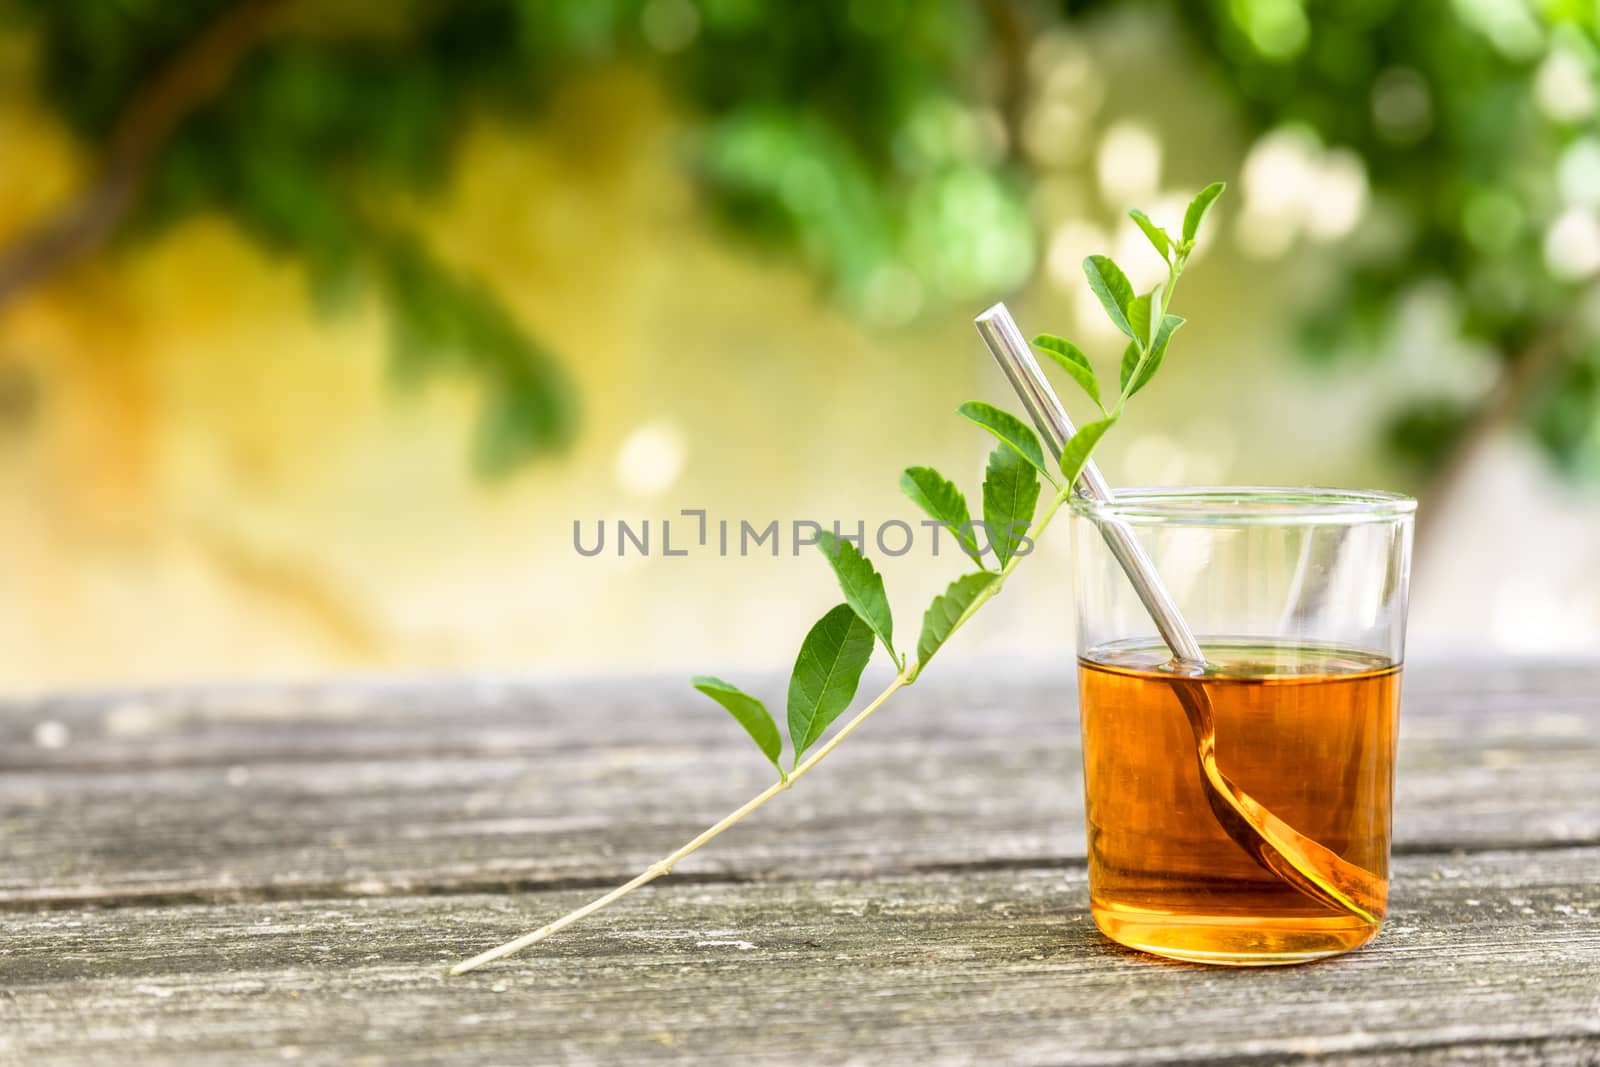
<point>1298,597</point>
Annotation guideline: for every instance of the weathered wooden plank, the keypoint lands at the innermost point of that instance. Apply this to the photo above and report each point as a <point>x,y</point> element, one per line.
<point>1490,957</point>
<point>1529,702</point>
<point>360,789</point>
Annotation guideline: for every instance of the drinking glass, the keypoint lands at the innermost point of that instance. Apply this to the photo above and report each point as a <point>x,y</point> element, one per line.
<point>1239,810</point>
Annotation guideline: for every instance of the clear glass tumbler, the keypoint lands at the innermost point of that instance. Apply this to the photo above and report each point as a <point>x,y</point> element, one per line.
<point>1239,811</point>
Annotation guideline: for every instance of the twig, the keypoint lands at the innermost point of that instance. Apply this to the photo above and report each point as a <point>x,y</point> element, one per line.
<point>1011,41</point>
<point>665,865</point>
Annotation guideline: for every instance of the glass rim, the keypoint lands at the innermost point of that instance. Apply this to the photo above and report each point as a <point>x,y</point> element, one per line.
<point>1247,505</point>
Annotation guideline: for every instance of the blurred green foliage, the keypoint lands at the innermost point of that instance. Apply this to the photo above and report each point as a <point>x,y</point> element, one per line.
<point>1465,150</point>
<point>878,140</point>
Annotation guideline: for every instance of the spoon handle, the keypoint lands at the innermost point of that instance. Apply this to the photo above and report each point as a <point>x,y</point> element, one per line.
<point>999,331</point>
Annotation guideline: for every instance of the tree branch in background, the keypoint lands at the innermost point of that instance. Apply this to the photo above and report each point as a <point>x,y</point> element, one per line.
<point>1498,412</point>
<point>1011,44</point>
<point>197,74</point>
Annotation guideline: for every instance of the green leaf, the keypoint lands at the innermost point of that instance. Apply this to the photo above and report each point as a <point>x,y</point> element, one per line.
<point>1139,316</point>
<point>862,586</point>
<point>1198,207</point>
<point>1010,494</point>
<point>1113,289</point>
<point>1070,358</point>
<point>1130,360</point>
<point>1158,351</point>
<point>942,501</point>
<point>1076,454</point>
<point>1009,429</point>
<point>747,711</point>
<point>946,610</point>
<point>1158,237</point>
<point>826,674</point>
<point>1169,326</point>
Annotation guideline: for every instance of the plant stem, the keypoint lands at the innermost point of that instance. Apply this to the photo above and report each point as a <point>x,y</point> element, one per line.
<point>907,675</point>
<point>992,590</point>
<point>664,866</point>
<point>1174,270</point>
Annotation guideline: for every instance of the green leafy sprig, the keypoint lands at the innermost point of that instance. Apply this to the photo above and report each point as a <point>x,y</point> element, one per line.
<point>1143,318</point>
<point>838,647</point>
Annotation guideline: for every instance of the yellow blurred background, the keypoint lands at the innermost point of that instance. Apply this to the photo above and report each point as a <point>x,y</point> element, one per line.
<point>203,477</point>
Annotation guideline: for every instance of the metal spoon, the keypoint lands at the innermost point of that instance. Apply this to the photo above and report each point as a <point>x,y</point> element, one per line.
<point>1278,847</point>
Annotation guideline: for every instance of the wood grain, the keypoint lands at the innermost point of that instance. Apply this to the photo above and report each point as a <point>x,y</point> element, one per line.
<point>227,875</point>
<point>1486,956</point>
<point>338,790</point>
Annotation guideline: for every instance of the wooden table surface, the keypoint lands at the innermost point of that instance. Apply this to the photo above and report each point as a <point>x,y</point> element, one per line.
<point>239,875</point>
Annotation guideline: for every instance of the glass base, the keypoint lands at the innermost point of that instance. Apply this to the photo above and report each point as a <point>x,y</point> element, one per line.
<point>1232,940</point>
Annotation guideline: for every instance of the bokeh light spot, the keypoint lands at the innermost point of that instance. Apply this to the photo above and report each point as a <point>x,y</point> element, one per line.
<point>1338,195</point>
<point>1070,243</point>
<point>1578,173</point>
<point>1508,25</point>
<point>1277,29</point>
<point>892,296</point>
<point>1128,164</point>
<point>1054,133</point>
<point>1402,106</point>
<point>1572,245</point>
<point>651,459</point>
<point>669,25</point>
<point>1564,87</point>
<point>1292,185</point>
